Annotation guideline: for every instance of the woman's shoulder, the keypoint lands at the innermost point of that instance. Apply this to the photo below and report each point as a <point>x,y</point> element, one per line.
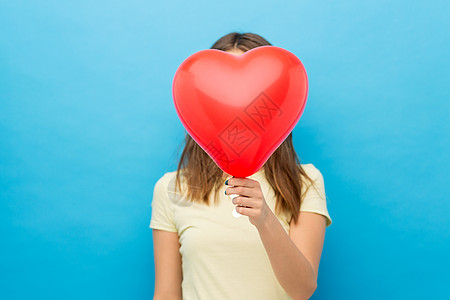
<point>166,181</point>
<point>173,191</point>
<point>311,170</point>
<point>167,176</point>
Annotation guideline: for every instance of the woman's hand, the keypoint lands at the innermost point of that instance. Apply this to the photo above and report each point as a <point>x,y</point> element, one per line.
<point>250,201</point>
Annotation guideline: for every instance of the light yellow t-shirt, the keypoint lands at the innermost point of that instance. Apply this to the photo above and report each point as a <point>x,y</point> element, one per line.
<point>222,256</point>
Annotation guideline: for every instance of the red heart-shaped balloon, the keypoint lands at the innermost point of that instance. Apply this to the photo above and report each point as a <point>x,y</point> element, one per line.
<point>240,108</point>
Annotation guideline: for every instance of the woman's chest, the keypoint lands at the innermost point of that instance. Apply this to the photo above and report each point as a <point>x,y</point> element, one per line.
<point>206,231</point>
<point>213,229</point>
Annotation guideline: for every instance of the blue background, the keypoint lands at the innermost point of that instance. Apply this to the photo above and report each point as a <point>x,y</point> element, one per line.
<point>87,126</point>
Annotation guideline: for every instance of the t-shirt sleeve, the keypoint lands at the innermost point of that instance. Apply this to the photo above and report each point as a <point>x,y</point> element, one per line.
<point>162,211</point>
<point>315,199</point>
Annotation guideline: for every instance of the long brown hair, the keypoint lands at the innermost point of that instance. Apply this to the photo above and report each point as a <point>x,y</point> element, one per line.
<point>282,170</point>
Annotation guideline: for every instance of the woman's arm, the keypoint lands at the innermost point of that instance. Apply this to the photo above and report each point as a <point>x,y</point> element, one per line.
<point>295,257</point>
<point>168,273</point>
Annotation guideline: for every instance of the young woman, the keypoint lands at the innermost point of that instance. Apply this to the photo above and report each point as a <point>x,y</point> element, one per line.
<point>271,252</point>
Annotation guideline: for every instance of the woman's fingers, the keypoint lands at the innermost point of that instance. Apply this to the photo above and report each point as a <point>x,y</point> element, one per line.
<point>246,211</point>
<point>246,201</point>
<point>241,190</point>
<point>245,182</point>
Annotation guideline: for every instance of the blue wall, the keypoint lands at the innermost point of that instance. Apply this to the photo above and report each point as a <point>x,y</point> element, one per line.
<point>87,126</point>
